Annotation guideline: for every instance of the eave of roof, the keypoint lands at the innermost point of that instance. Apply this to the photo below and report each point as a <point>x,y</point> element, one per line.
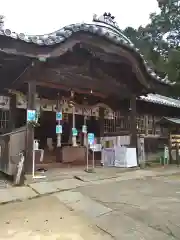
<point>169,121</point>
<point>105,26</point>
<point>162,100</point>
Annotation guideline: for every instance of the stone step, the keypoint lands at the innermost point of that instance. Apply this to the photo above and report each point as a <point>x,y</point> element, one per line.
<point>80,203</point>
<point>16,194</point>
<point>56,186</point>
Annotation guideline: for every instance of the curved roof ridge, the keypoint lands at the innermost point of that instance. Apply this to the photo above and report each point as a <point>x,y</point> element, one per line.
<point>104,26</point>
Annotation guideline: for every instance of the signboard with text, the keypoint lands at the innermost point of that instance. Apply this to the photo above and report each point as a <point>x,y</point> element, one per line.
<point>84,129</point>
<point>58,116</point>
<point>91,138</point>
<point>31,115</point>
<point>175,140</point>
<point>58,129</point>
<point>74,132</point>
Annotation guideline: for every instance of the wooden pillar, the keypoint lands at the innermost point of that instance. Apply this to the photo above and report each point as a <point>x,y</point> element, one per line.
<point>31,101</point>
<point>133,142</point>
<point>101,122</point>
<point>74,142</point>
<point>101,130</point>
<point>146,125</point>
<point>12,113</point>
<point>59,109</point>
<point>154,126</point>
<point>170,146</point>
<point>58,144</point>
<point>177,154</point>
<point>85,134</point>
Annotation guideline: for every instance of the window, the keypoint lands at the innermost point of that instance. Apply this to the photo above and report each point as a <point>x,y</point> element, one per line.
<point>116,123</point>
<point>4,119</point>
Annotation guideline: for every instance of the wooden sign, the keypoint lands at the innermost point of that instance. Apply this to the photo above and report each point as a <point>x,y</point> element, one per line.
<point>175,139</point>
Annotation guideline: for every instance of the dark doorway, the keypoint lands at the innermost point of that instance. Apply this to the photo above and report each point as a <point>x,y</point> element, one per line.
<point>47,128</point>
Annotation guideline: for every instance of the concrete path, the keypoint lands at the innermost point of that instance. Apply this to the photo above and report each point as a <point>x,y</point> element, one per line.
<point>38,189</point>
<point>142,204</point>
<point>16,194</point>
<point>125,174</point>
<point>46,219</point>
<point>56,186</point>
<point>83,204</point>
<point>101,176</point>
<point>140,208</point>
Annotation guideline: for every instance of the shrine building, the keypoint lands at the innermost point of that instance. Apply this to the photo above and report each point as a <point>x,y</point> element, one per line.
<point>93,75</point>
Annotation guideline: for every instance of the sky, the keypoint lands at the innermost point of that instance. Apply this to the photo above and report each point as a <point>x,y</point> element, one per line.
<point>46,16</point>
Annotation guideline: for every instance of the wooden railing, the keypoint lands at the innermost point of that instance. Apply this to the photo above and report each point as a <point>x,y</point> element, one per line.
<point>146,124</point>
<point>118,123</point>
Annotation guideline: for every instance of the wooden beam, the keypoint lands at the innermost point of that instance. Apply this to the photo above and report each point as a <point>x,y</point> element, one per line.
<point>133,142</point>
<point>52,85</point>
<point>107,85</point>
<point>101,121</point>
<point>12,113</point>
<point>30,128</point>
<point>33,71</point>
<point>96,74</point>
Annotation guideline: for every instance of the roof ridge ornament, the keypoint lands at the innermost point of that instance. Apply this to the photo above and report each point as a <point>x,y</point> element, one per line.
<point>1,22</point>
<point>108,20</point>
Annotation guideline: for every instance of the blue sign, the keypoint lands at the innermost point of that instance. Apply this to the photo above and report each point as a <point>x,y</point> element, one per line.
<point>31,115</point>
<point>58,116</point>
<point>58,129</point>
<point>91,138</point>
<point>84,129</point>
<point>74,132</point>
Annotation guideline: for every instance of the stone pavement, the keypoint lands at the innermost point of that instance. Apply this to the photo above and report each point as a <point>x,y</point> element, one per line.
<point>69,173</point>
<point>56,186</point>
<point>138,208</point>
<point>101,176</point>
<point>141,204</point>
<point>4,183</point>
<point>12,194</point>
<point>46,219</point>
<point>78,202</point>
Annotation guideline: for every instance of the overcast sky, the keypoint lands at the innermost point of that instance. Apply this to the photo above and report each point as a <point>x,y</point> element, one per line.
<point>45,16</point>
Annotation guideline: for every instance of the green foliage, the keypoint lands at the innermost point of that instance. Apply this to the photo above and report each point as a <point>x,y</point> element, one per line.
<point>168,21</point>
<point>159,41</point>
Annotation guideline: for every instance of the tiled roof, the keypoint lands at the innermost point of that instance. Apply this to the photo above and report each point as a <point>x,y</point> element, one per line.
<point>105,26</point>
<point>165,120</point>
<point>159,99</point>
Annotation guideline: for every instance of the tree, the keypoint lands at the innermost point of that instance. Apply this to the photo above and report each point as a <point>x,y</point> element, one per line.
<point>159,41</point>
<point>147,47</point>
<point>164,32</point>
<point>163,29</point>
<point>168,21</point>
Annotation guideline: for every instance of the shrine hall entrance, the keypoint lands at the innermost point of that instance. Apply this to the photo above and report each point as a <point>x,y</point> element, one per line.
<point>46,135</point>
